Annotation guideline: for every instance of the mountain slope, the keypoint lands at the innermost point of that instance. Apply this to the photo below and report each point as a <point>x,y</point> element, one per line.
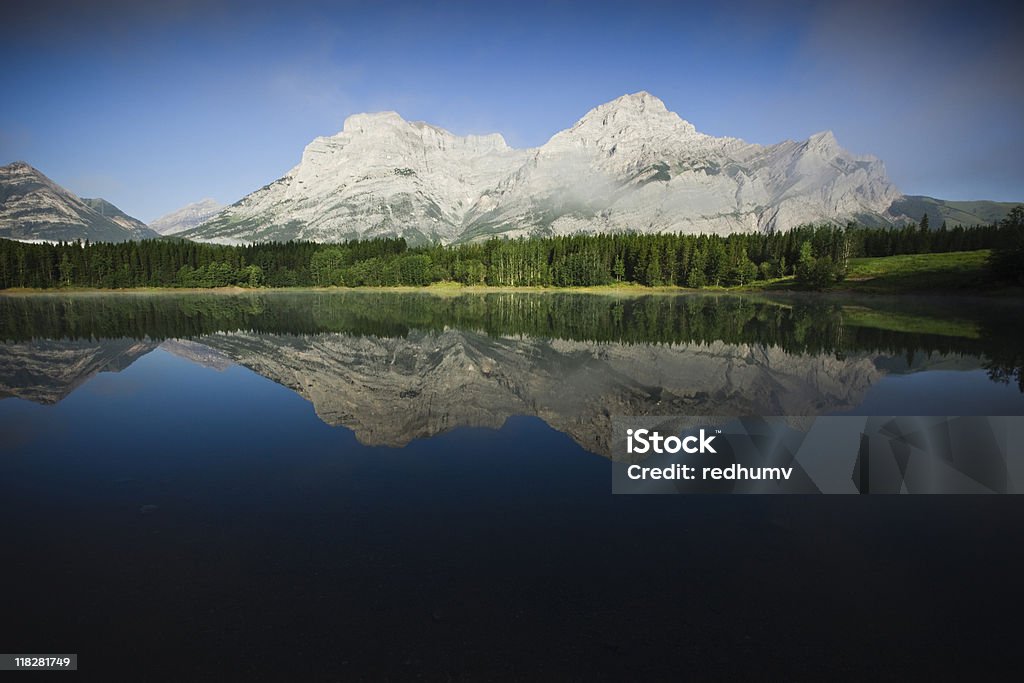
<point>137,228</point>
<point>392,390</point>
<point>381,175</point>
<point>953,213</point>
<point>34,208</point>
<point>630,164</point>
<point>187,217</point>
<point>48,370</point>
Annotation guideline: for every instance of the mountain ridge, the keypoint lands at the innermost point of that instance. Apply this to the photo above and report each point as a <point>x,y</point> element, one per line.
<point>953,212</point>
<point>463,378</point>
<point>627,165</point>
<point>34,208</point>
<point>101,206</point>
<point>186,217</point>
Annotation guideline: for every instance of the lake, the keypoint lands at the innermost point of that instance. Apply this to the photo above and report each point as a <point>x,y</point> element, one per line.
<point>352,485</point>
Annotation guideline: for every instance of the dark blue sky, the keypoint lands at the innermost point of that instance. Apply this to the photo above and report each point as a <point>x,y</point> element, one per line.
<point>154,105</point>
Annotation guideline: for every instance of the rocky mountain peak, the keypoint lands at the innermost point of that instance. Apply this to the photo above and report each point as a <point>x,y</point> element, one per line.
<point>186,217</point>
<point>20,171</point>
<point>641,101</point>
<point>630,164</point>
<point>825,141</point>
<point>363,123</point>
<point>389,133</point>
<point>20,166</point>
<point>34,208</point>
<point>639,114</point>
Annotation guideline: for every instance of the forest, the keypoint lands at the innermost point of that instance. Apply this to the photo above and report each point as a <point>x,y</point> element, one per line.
<point>804,324</point>
<point>815,255</point>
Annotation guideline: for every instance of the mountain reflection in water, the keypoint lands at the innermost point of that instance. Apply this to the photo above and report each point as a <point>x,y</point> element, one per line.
<point>193,520</point>
<point>394,367</point>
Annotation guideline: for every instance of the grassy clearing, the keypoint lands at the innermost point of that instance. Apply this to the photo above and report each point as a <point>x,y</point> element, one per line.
<point>951,272</point>
<point>908,323</point>
<point>957,272</point>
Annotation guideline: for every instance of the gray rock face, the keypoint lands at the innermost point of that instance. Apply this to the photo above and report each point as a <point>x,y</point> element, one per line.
<point>33,208</point>
<point>630,164</point>
<point>133,226</point>
<point>187,217</point>
<point>390,391</point>
<point>197,353</point>
<point>381,175</point>
<point>46,371</point>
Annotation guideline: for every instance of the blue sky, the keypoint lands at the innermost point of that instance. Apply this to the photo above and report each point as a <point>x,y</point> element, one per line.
<point>154,105</point>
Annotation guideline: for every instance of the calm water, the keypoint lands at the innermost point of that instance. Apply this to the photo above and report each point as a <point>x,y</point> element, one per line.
<point>363,485</point>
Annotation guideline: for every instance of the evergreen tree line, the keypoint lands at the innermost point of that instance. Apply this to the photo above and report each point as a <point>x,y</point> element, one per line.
<point>801,325</point>
<point>815,255</point>
<point>1008,258</point>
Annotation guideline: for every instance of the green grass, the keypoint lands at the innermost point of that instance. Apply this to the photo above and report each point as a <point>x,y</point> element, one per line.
<point>860,316</point>
<point>958,272</point>
<point>951,272</point>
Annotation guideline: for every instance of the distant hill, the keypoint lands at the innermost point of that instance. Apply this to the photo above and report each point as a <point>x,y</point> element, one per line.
<point>979,212</point>
<point>108,210</point>
<point>186,217</point>
<point>33,208</point>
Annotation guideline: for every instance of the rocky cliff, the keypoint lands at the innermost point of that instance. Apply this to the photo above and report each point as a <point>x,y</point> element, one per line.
<point>628,165</point>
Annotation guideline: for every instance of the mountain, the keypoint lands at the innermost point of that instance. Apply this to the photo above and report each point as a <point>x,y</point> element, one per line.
<point>953,213</point>
<point>48,370</point>
<point>381,175</point>
<point>186,217</point>
<point>630,164</point>
<point>33,208</point>
<point>633,164</point>
<point>391,390</point>
<point>137,228</point>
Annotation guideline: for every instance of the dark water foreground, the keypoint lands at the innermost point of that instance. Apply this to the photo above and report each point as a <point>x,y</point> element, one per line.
<point>368,486</point>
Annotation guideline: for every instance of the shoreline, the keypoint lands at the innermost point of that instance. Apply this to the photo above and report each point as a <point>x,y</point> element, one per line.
<point>778,287</point>
<point>960,274</point>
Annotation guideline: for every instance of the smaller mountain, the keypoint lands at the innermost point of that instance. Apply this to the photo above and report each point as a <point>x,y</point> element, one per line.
<point>187,217</point>
<point>46,371</point>
<point>33,208</point>
<point>138,229</point>
<point>953,213</point>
